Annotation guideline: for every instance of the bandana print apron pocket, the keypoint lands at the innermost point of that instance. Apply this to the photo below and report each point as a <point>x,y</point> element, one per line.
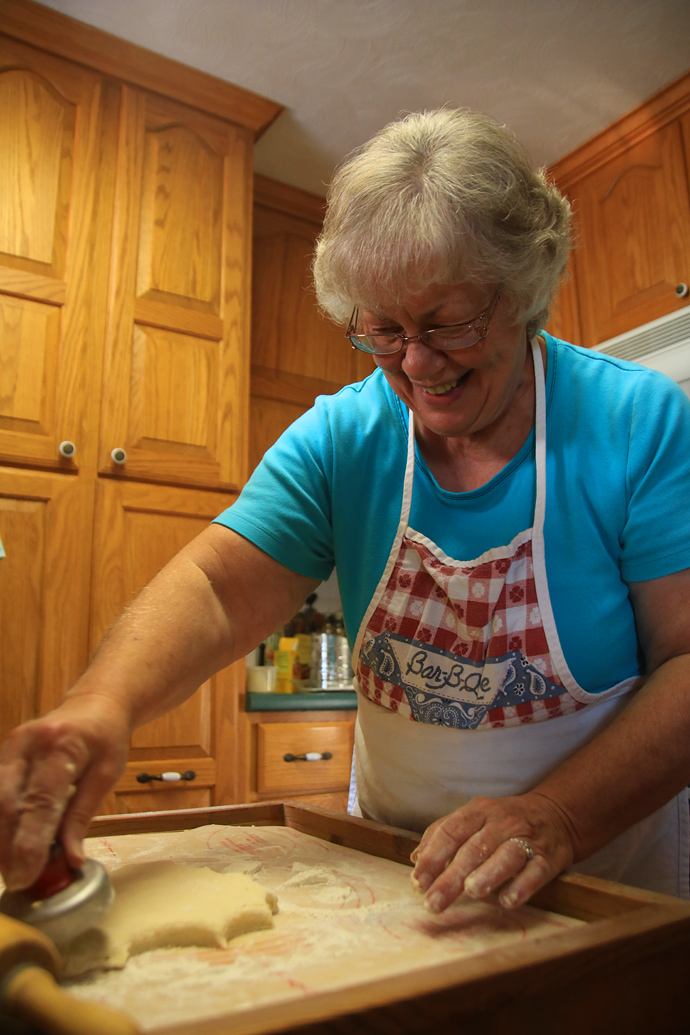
<point>462,644</point>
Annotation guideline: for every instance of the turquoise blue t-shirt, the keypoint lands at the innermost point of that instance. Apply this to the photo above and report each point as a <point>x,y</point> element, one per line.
<point>617,505</point>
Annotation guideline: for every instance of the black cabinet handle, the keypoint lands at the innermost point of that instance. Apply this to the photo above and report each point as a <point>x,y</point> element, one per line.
<point>310,756</point>
<point>166,777</point>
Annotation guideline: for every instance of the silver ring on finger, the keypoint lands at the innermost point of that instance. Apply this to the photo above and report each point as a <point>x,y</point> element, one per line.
<point>525,845</point>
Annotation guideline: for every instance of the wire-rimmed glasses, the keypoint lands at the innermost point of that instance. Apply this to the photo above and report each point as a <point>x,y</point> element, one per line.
<point>453,336</point>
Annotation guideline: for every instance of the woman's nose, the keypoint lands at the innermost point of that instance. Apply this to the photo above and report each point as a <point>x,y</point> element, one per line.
<point>418,356</point>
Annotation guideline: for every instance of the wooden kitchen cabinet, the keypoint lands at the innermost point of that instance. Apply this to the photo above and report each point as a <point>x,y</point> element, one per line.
<point>106,200</point>
<point>176,357</point>
<point>138,528</point>
<point>633,222</point>
<point>54,240</point>
<point>125,231</point>
<point>45,519</point>
<point>630,191</point>
<point>297,353</point>
<point>267,737</point>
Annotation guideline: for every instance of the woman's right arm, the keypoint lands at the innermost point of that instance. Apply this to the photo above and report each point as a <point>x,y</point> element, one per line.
<point>215,601</point>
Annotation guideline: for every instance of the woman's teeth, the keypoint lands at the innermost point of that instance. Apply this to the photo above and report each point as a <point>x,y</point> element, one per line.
<point>442,389</point>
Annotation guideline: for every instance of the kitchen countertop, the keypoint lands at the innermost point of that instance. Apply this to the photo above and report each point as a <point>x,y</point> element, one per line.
<point>314,700</point>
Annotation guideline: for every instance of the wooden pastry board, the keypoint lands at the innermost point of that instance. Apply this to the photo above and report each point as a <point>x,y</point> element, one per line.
<point>352,938</point>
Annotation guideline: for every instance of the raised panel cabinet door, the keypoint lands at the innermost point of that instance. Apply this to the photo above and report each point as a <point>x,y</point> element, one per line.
<point>177,349</point>
<point>297,352</point>
<point>633,224</point>
<point>289,332</point>
<point>45,566</point>
<point>137,529</point>
<point>53,265</point>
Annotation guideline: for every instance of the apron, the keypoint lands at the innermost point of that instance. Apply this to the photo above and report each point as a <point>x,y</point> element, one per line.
<point>464,689</point>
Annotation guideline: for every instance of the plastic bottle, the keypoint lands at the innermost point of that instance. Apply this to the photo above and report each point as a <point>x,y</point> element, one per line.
<point>287,664</point>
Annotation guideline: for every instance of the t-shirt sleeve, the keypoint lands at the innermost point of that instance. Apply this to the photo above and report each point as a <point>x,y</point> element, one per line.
<point>655,539</point>
<point>285,507</point>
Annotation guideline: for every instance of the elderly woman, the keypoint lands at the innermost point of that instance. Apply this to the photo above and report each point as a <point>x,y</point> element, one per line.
<point>509,518</point>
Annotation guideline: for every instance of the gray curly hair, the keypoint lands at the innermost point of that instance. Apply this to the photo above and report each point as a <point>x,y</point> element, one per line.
<point>441,197</point>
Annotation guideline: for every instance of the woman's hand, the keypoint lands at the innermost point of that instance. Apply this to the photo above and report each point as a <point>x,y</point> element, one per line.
<point>512,846</point>
<point>54,771</point>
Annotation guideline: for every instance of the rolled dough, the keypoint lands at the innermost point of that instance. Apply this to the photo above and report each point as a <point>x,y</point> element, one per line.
<point>166,904</point>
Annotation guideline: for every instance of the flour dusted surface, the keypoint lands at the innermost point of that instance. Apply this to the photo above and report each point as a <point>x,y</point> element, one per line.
<point>345,917</point>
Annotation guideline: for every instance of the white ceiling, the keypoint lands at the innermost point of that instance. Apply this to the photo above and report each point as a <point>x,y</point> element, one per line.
<point>555,71</point>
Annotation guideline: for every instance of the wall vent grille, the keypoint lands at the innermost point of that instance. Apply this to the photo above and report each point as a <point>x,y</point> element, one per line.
<point>663,344</point>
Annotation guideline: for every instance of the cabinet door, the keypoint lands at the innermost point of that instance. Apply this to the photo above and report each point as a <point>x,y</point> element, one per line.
<point>633,222</point>
<point>297,352</point>
<point>177,351</point>
<point>45,524</point>
<point>289,333</point>
<point>53,189</point>
<point>138,528</point>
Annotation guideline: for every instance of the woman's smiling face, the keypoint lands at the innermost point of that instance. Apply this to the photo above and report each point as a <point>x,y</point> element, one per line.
<point>465,392</point>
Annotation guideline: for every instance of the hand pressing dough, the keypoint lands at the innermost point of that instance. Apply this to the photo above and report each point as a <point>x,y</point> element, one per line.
<point>165,904</point>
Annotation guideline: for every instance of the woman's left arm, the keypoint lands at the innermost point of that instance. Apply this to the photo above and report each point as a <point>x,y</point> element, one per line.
<point>631,768</point>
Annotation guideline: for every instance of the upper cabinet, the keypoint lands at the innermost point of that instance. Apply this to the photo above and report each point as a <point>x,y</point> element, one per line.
<point>109,240</point>
<point>633,221</point>
<point>631,201</point>
<point>52,259</point>
<point>125,238</point>
<point>176,356</point>
<point>297,352</point>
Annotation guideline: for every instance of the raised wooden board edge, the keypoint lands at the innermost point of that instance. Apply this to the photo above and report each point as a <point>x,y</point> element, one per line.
<point>574,895</point>
<point>626,927</point>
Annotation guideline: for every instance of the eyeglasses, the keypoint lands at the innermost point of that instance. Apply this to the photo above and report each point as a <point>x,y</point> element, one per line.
<point>453,336</point>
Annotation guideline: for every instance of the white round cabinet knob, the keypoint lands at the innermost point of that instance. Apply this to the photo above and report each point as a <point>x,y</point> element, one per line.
<point>67,449</point>
<point>118,456</point>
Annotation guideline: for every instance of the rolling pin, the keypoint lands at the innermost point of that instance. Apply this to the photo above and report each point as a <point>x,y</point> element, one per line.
<point>28,964</point>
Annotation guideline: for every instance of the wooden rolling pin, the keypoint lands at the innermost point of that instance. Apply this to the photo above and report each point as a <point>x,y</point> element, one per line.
<point>28,964</point>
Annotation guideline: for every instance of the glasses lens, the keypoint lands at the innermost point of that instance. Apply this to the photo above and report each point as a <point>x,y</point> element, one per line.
<point>376,344</point>
<point>451,338</point>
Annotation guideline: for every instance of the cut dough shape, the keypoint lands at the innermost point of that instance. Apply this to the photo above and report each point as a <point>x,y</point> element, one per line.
<point>165,904</point>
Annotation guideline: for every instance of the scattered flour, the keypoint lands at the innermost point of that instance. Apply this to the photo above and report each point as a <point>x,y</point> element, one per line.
<point>306,876</point>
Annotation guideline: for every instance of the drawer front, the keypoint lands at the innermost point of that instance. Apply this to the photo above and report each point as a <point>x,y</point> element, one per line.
<point>279,775</point>
<point>132,794</point>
